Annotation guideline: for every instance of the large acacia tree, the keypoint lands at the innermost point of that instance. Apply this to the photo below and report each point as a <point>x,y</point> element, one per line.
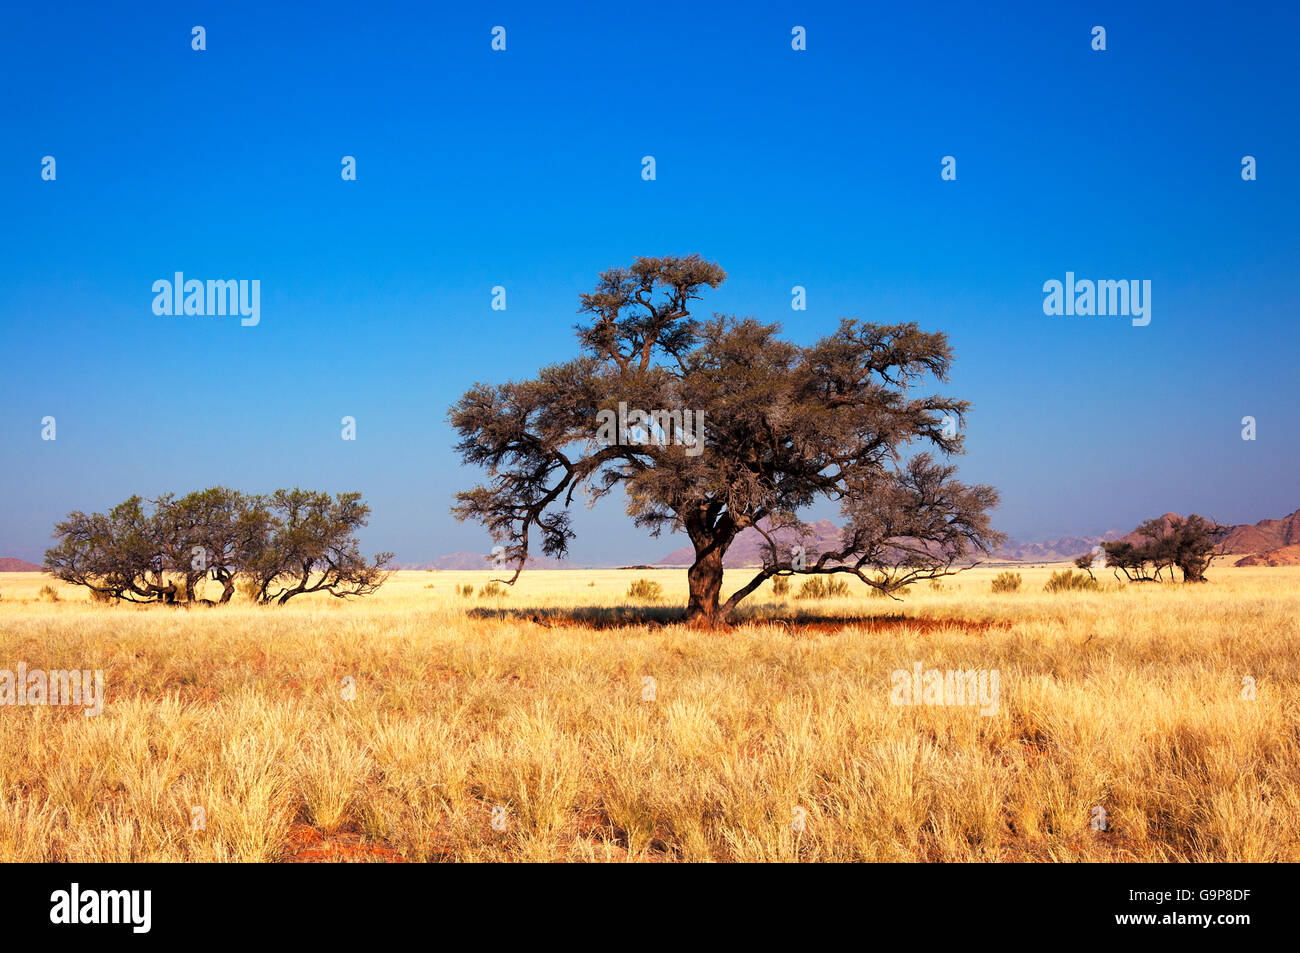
<point>783,426</point>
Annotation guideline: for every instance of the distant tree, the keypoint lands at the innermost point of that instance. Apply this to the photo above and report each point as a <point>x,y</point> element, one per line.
<point>312,548</point>
<point>1085,562</point>
<point>1195,546</point>
<point>1189,544</point>
<point>117,554</point>
<point>231,530</point>
<point>1133,561</point>
<point>773,426</point>
<point>293,542</point>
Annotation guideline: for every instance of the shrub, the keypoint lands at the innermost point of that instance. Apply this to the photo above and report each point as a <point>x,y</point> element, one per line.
<point>467,590</point>
<point>819,587</point>
<point>49,594</point>
<point>1006,582</point>
<point>493,590</point>
<point>780,585</point>
<point>645,589</point>
<point>103,597</point>
<point>1067,580</point>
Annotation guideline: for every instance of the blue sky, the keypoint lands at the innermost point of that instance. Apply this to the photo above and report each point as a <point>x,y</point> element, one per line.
<point>522,169</point>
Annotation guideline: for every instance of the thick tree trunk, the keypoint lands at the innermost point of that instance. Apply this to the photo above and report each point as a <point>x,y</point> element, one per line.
<point>705,578</point>
<point>711,534</point>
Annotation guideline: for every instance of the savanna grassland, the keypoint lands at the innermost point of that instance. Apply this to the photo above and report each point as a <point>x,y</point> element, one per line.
<point>524,728</point>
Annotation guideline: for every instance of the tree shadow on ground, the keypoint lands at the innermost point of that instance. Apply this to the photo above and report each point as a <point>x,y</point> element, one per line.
<point>811,620</point>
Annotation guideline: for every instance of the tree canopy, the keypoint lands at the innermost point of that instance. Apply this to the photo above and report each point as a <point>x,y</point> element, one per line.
<point>286,544</point>
<point>730,427</point>
<point>1164,543</point>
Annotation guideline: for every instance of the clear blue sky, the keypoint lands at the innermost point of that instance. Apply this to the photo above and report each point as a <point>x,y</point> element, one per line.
<point>522,169</point>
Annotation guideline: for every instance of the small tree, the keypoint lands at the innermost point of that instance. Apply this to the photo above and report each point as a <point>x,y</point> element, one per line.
<point>230,530</point>
<point>119,553</point>
<point>1165,543</point>
<point>312,548</point>
<point>774,426</point>
<point>294,542</point>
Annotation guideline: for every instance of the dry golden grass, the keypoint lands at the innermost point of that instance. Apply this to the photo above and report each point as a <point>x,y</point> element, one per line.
<point>1129,699</point>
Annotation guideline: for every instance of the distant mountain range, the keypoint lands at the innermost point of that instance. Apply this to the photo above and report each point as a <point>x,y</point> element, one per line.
<point>749,546</point>
<point>1273,542</point>
<point>1053,551</point>
<point>468,559</point>
<point>1266,543</point>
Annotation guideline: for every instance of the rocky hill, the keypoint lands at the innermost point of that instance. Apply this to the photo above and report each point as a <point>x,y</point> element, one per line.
<point>10,564</point>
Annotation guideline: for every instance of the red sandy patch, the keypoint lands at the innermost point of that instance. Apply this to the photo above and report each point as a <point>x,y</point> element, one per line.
<point>307,845</point>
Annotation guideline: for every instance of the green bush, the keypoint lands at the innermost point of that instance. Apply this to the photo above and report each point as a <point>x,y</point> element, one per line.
<point>1006,582</point>
<point>1067,580</point>
<point>821,587</point>
<point>645,589</point>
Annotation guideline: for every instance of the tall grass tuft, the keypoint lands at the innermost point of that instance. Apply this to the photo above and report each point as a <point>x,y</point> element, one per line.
<point>823,587</point>
<point>1067,580</point>
<point>1006,582</point>
<point>646,590</point>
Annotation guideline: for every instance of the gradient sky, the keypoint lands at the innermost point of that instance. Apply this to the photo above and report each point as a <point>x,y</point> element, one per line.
<point>522,169</point>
